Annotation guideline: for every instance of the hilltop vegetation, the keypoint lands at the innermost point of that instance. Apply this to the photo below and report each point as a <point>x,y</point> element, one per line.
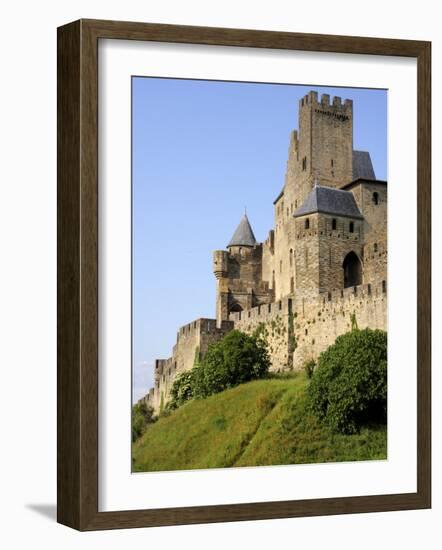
<point>263,422</point>
<point>229,411</point>
<point>235,359</point>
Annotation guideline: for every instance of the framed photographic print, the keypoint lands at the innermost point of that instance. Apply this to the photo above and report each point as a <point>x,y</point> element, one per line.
<point>243,219</point>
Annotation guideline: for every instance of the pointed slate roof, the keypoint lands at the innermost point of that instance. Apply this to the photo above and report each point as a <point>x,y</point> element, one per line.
<point>329,200</point>
<point>362,166</point>
<point>243,235</point>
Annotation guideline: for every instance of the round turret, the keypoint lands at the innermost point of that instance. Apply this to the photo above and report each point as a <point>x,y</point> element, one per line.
<point>220,263</point>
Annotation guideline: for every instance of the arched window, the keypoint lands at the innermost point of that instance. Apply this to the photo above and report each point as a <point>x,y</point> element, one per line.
<point>291,257</point>
<point>352,227</point>
<point>375,198</point>
<point>307,223</point>
<point>334,224</point>
<point>352,270</point>
<point>280,266</point>
<point>375,247</point>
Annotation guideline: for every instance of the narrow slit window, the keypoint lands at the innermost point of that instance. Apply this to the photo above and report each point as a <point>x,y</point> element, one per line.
<point>352,227</point>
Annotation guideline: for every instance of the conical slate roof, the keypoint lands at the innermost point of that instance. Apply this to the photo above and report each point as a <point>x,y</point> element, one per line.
<point>329,201</point>
<point>243,235</point>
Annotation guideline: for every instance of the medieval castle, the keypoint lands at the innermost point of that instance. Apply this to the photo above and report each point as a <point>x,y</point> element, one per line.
<point>323,267</point>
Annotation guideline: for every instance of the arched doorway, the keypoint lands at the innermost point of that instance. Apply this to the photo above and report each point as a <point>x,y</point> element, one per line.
<point>235,308</point>
<point>352,270</point>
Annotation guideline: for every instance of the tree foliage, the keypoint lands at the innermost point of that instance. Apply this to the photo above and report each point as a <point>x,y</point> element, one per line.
<point>182,389</point>
<point>142,416</point>
<point>349,385</point>
<point>235,359</point>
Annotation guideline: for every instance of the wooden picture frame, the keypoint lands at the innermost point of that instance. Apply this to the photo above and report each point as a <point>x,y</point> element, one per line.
<point>77,225</point>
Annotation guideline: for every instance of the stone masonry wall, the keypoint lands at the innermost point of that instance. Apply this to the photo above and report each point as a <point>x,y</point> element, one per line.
<point>296,329</point>
<point>193,340</point>
<point>318,322</point>
<point>274,321</point>
<point>299,328</point>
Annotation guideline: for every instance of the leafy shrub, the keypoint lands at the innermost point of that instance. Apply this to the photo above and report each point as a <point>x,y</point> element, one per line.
<point>235,359</point>
<point>142,416</point>
<point>309,367</point>
<point>349,386</point>
<point>181,390</point>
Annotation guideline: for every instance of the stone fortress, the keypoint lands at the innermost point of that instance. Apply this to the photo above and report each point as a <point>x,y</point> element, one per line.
<point>321,270</point>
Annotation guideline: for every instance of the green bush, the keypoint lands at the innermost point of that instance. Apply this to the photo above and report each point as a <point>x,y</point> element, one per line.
<point>142,416</point>
<point>309,367</point>
<point>349,386</point>
<point>181,390</point>
<point>235,359</point>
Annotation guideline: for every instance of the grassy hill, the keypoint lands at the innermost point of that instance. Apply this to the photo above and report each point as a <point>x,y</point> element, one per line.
<point>259,423</point>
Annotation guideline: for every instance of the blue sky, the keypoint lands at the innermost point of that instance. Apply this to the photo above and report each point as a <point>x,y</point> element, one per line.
<point>202,151</point>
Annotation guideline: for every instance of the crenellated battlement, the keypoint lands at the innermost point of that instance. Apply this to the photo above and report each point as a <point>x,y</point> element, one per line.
<point>192,342</point>
<point>311,99</point>
<point>201,326</point>
<point>299,327</point>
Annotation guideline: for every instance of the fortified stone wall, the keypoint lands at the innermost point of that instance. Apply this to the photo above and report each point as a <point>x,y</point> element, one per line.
<point>318,322</point>
<point>192,343</point>
<point>275,323</point>
<point>299,328</point>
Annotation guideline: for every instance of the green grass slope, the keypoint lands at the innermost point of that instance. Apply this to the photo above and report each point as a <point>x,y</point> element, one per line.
<point>255,424</point>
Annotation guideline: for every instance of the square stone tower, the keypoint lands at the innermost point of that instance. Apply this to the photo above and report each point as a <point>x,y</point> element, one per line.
<point>321,150</point>
<point>325,147</point>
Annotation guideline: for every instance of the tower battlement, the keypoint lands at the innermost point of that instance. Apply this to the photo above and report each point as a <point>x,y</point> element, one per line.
<point>312,99</point>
